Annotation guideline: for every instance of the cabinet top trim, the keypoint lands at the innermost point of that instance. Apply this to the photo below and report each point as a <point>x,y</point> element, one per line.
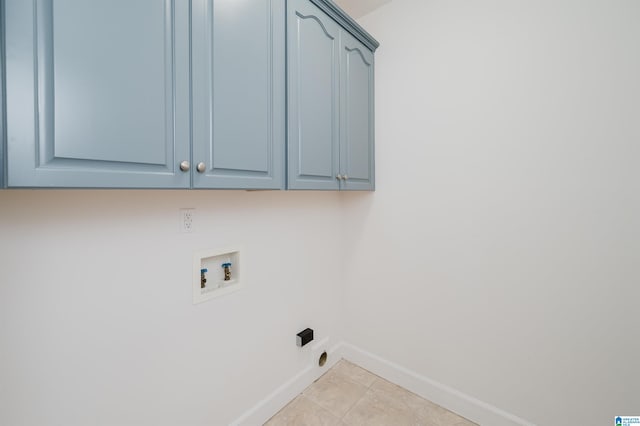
<point>349,24</point>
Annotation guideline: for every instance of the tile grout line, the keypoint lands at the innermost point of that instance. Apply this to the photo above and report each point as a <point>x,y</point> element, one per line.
<point>347,379</point>
<point>368,387</point>
<point>354,405</point>
<point>320,406</point>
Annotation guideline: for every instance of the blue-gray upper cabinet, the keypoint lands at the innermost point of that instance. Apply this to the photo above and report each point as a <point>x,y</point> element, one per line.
<point>238,66</point>
<point>97,93</point>
<point>330,99</point>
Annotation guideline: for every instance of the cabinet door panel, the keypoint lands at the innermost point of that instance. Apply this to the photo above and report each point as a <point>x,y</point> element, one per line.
<point>112,65</point>
<point>313,83</point>
<point>357,131</point>
<point>97,93</point>
<point>238,93</point>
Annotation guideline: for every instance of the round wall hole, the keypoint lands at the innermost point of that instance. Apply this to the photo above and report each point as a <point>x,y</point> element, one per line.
<point>323,359</point>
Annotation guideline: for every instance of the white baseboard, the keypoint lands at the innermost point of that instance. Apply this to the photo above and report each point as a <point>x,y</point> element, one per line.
<point>467,406</point>
<point>445,396</point>
<point>279,398</point>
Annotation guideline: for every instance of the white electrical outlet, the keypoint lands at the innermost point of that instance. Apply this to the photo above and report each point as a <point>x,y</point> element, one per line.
<point>187,220</point>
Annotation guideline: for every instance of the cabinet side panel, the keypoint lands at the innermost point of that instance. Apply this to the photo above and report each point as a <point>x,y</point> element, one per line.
<point>3,140</point>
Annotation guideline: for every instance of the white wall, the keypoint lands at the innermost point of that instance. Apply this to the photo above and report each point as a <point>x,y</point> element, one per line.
<point>97,325</point>
<point>359,8</point>
<point>500,254</point>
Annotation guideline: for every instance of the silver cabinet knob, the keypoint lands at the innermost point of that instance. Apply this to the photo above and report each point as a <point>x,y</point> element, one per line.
<point>339,177</point>
<point>345,177</point>
<point>185,166</point>
<point>201,167</point>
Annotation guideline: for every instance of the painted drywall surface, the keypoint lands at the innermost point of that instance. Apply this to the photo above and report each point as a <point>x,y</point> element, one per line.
<point>500,253</point>
<point>97,325</point>
<point>359,8</point>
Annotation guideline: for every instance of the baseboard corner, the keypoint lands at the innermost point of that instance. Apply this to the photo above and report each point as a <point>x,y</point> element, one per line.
<point>465,405</point>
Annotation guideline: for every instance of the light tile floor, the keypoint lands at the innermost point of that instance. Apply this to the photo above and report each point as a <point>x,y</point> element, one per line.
<point>348,395</point>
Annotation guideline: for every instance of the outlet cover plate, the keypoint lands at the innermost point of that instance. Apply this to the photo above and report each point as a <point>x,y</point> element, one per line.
<point>187,220</point>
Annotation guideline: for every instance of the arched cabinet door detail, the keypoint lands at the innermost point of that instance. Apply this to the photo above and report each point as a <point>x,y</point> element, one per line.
<point>330,100</point>
<point>97,93</point>
<point>357,115</point>
<point>313,97</point>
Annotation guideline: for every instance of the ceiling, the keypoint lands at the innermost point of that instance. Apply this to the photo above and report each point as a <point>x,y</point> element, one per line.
<point>358,8</point>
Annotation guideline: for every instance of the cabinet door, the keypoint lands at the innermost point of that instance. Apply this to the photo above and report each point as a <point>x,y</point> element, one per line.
<point>357,115</point>
<point>313,97</point>
<point>97,93</point>
<point>238,93</point>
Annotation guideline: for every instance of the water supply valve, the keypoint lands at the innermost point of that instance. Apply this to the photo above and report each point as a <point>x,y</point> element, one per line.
<point>203,277</point>
<point>227,271</point>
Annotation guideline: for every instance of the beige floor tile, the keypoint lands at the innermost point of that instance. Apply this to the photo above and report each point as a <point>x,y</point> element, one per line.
<point>302,411</point>
<point>395,395</point>
<point>374,410</point>
<point>348,395</point>
<point>335,393</point>
<point>423,412</point>
<point>354,373</point>
<point>443,417</point>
